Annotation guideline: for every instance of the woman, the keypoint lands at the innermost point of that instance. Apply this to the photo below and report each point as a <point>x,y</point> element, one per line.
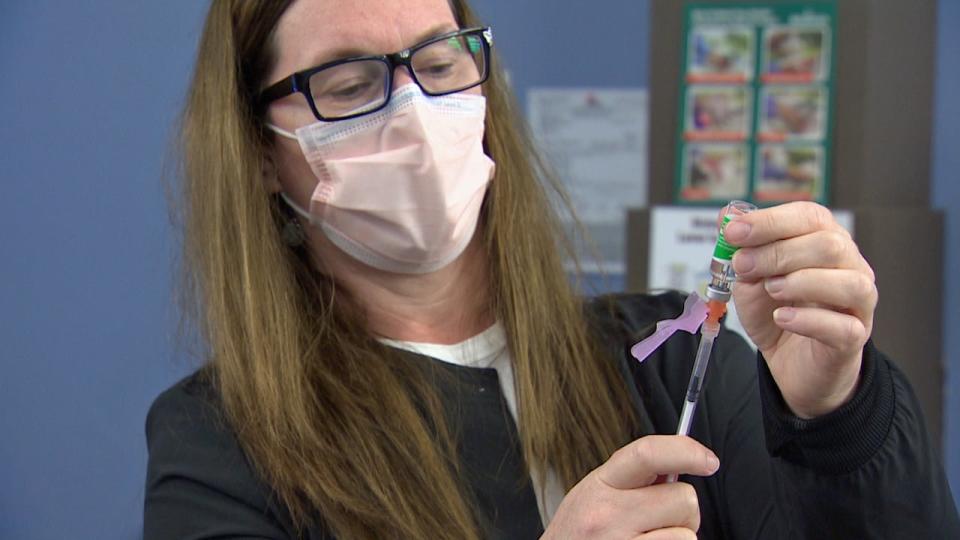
<point>394,349</point>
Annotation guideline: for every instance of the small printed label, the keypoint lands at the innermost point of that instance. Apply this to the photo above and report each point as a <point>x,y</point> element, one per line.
<point>723,250</point>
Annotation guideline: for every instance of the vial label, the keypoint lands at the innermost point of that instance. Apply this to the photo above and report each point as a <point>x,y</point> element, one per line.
<point>723,250</point>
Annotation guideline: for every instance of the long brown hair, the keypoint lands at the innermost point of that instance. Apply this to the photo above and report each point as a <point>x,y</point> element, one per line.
<point>338,425</point>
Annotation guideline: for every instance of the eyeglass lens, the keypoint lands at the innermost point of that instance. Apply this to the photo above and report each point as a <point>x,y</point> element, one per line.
<point>442,67</point>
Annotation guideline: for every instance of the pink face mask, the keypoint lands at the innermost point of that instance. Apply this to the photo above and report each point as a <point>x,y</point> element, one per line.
<point>400,189</point>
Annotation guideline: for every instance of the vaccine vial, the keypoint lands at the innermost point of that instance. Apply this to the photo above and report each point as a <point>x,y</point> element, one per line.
<point>722,275</point>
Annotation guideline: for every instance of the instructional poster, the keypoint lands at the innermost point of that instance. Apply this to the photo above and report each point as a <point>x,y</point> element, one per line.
<point>755,103</point>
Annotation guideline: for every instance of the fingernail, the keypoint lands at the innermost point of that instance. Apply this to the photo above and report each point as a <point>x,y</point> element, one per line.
<point>713,463</point>
<point>743,262</point>
<point>774,284</point>
<point>784,314</point>
<point>736,231</point>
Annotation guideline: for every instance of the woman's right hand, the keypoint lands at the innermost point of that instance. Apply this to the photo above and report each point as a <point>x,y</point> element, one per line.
<point>621,499</point>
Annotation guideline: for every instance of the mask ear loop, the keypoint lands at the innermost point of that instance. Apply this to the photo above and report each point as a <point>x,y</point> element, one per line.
<point>292,233</point>
<point>286,198</point>
<point>280,131</point>
<point>297,208</point>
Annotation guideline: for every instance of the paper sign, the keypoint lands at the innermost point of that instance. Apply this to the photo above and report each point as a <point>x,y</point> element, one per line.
<point>596,141</point>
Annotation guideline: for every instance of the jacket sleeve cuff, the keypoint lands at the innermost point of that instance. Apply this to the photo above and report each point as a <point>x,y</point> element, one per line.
<point>838,442</point>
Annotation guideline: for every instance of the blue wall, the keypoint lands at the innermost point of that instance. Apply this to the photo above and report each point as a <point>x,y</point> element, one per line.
<point>87,322</point>
<point>570,42</point>
<point>946,196</point>
<point>89,93</point>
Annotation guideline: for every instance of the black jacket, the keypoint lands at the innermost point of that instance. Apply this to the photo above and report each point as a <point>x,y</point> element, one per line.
<point>865,471</point>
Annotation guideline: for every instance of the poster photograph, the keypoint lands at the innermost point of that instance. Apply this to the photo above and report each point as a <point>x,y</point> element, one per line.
<point>789,173</point>
<point>795,54</point>
<point>720,54</point>
<point>718,113</point>
<point>714,172</point>
<point>789,113</point>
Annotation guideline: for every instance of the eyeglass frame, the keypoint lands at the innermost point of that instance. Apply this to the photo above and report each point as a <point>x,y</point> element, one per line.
<point>299,82</point>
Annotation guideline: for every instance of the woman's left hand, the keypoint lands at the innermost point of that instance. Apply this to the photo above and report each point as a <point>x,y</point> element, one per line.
<point>805,296</point>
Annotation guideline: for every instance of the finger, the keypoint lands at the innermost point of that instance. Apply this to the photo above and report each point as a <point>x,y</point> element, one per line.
<point>638,463</point>
<point>754,306</point>
<point>839,331</point>
<point>669,505</point>
<point>784,221</point>
<point>849,290</point>
<point>820,249</point>
<point>672,533</point>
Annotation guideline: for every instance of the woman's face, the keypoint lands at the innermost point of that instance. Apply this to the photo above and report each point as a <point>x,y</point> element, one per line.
<point>313,32</point>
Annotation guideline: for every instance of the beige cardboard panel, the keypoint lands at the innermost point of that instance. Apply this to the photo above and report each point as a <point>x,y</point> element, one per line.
<point>905,249</point>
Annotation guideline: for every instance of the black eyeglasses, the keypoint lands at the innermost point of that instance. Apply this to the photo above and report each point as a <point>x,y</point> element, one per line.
<point>352,87</point>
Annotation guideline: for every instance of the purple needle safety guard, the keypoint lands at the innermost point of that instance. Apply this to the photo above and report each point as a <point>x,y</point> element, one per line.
<point>694,313</point>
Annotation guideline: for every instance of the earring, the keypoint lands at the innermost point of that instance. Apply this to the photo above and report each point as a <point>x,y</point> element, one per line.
<point>292,233</point>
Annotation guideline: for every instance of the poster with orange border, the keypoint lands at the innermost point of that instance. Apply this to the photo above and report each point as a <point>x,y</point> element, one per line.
<point>756,97</point>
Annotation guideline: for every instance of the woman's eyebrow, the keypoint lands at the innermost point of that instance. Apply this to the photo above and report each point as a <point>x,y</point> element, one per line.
<point>351,51</point>
<point>338,54</point>
<point>435,31</point>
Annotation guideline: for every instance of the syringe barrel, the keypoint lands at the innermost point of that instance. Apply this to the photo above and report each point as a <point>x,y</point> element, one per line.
<point>700,364</point>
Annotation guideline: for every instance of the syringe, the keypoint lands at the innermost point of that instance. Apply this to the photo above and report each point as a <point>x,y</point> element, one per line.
<point>722,277</point>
